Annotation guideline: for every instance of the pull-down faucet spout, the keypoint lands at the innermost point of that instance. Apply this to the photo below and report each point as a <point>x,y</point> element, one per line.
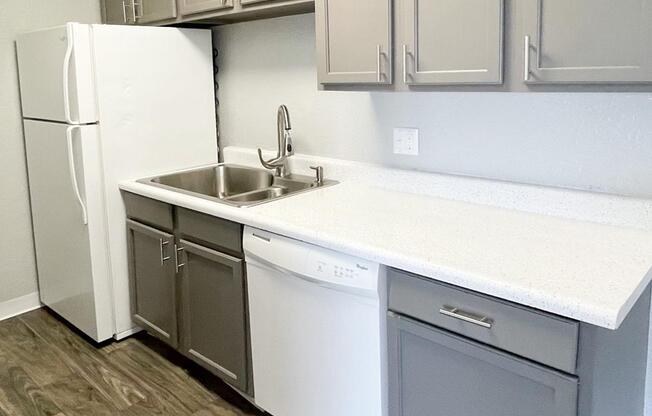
<point>284,143</point>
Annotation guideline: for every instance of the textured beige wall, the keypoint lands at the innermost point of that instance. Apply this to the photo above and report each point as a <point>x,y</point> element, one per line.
<point>17,265</point>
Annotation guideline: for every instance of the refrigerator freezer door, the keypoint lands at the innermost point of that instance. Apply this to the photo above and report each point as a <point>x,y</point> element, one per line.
<point>65,181</point>
<point>56,74</point>
<point>157,114</point>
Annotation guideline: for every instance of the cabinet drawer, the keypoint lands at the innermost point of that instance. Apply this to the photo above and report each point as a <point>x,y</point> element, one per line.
<point>539,336</point>
<point>213,232</point>
<point>436,373</point>
<point>148,211</point>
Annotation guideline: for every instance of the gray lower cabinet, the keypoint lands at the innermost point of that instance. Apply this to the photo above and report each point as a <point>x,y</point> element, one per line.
<point>354,41</point>
<point>587,41</point>
<point>197,6</point>
<point>454,352</point>
<point>153,281</point>
<point>436,373</point>
<point>213,328</point>
<point>188,285</point>
<point>451,41</point>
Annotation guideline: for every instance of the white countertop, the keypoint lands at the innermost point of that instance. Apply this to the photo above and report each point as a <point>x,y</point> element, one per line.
<point>578,269</point>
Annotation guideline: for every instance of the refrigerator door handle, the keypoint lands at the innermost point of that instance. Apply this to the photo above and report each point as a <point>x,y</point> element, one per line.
<point>66,76</point>
<point>73,172</point>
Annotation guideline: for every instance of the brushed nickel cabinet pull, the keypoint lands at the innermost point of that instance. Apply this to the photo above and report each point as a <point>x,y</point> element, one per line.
<point>526,59</point>
<point>472,318</point>
<point>178,265</point>
<point>162,245</point>
<point>124,11</point>
<point>379,57</point>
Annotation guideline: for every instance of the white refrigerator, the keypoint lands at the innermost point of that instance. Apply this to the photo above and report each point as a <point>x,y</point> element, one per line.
<point>102,104</point>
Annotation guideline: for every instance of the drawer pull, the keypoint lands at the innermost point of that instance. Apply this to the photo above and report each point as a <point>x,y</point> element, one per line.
<point>178,265</point>
<point>162,245</point>
<point>456,313</point>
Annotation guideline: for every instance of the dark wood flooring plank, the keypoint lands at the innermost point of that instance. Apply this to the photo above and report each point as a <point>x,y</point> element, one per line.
<point>220,408</point>
<point>76,397</point>
<point>114,384</point>
<point>20,395</point>
<point>78,378</point>
<point>36,357</point>
<point>168,387</point>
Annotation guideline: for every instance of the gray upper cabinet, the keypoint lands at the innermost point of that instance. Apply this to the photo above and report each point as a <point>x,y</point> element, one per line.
<point>155,10</point>
<point>248,2</point>
<point>138,11</point>
<point>198,6</point>
<point>451,41</point>
<point>153,281</point>
<point>587,41</point>
<point>214,329</point>
<point>354,41</point>
<point>117,12</point>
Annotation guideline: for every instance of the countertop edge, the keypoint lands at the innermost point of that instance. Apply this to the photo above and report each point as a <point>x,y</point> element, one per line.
<point>590,314</point>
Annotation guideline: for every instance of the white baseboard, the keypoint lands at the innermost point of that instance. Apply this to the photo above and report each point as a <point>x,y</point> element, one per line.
<point>127,333</point>
<point>16,306</point>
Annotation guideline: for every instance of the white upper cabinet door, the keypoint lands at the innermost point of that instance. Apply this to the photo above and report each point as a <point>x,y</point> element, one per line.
<point>198,6</point>
<point>452,41</point>
<point>354,41</point>
<point>154,10</point>
<point>56,74</point>
<point>587,41</point>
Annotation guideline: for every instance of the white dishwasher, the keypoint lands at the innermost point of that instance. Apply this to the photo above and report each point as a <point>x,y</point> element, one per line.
<point>318,329</point>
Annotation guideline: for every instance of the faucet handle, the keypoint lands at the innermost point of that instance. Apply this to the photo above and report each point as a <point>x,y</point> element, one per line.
<point>319,175</point>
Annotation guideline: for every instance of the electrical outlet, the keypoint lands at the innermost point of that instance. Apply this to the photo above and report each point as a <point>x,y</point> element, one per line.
<point>406,141</point>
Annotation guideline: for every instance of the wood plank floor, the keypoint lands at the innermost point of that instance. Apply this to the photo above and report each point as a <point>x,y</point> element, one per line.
<point>46,368</point>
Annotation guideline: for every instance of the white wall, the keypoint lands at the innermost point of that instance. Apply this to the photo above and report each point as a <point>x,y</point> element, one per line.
<point>596,141</point>
<point>17,267</point>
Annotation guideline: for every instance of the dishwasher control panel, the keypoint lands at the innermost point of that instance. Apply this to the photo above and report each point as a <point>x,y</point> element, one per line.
<point>312,261</point>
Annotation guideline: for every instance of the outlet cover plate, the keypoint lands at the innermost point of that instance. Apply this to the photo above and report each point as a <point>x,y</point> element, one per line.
<point>406,141</point>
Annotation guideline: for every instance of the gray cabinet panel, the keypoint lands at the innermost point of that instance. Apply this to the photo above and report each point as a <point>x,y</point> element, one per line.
<point>197,6</point>
<point>155,10</point>
<point>148,211</point>
<point>452,41</point>
<point>152,281</point>
<point>213,232</point>
<point>587,41</point>
<point>248,2</point>
<point>543,337</point>
<point>117,12</point>
<point>213,313</point>
<point>435,373</point>
<point>354,41</point>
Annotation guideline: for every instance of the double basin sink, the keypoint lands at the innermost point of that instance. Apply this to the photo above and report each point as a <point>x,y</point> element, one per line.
<point>235,185</point>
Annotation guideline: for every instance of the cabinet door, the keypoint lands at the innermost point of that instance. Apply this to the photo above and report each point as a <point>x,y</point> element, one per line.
<point>452,41</point>
<point>117,12</point>
<point>153,281</point>
<point>197,6</point>
<point>213,312</point>
<point>154,10</point>
<point>354,41</point>
<point>248,2</point>
<point>435,373</point>
<point>587,41</point>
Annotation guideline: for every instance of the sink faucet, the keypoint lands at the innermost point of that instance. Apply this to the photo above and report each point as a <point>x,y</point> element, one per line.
<point>285,149</point>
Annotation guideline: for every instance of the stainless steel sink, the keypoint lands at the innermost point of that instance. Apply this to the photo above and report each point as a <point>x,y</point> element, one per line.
<point>235,185</point>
